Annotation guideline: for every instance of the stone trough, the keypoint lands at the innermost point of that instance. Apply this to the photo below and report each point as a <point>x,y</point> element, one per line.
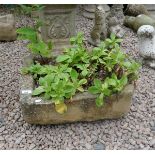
<point>36,110</point>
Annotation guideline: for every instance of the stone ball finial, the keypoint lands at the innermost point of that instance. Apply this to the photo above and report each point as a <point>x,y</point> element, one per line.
<point>147,31</point>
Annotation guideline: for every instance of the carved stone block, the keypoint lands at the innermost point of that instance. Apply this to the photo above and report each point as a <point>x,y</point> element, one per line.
<point>59,25</point>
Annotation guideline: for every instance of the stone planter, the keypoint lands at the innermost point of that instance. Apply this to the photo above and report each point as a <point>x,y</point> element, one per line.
<point>82,107</point>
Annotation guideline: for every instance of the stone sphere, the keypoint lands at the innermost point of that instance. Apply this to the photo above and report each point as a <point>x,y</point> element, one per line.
<point>146,31</point>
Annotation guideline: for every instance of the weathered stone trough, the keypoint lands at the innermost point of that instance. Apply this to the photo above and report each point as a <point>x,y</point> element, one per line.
<point>82,107</point>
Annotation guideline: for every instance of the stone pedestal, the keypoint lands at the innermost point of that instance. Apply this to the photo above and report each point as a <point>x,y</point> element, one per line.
<point>59,25</point>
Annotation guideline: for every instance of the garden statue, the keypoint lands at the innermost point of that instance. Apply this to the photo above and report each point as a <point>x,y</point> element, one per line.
<point>146,35</point>
<point>114,27</point>
<point>117,11</point>
<point>99,31</point>
<point>135,10</point>
<point>136,22</point>
<point>7,28</point>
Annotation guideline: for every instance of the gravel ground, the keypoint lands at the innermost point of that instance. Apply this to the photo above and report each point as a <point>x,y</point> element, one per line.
<point>135,131</point>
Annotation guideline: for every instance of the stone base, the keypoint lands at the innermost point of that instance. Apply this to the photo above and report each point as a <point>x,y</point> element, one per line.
<point>150,63</point>
<point>82,107</point>
<point>94,43</point>
<point>89,10</point>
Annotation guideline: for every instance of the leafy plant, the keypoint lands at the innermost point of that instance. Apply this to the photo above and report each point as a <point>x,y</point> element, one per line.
<point>58,85</point>
<point>106,88</point>
<point>76,54</point>
<point>79,70</point>
<point>28,8</point>
<point>36,45</point>
<point>77,83</point>
<point>112,41</point>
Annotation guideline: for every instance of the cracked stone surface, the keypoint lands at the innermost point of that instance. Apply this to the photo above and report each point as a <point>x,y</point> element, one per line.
<point>135,131</point>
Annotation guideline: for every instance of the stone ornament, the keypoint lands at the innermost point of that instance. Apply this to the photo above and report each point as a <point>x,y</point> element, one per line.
<point>7,28</point>
<point>59,25</point>
<point>117,11</point>
<point>146,35</point>
<point>136,9</point>
<point>99,31</point>
<point>114,27</point>
<point>136,22</point>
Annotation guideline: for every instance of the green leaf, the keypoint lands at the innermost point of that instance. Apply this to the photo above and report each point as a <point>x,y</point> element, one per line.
<point>112,82</point>
<point>93,90</point>
<point>80,89</point>
<point>62,58</point>
<point>99,100</point>
<point>24,70</point>
<point>124,80</point>
<point>127,64</point>
<point>112,36</point>
<point>72,40</point>
<point>83,81</point>
<point>61,108</point>
<point>97,83</point>
<point>26,30</point>
<point>74,75</point>
<point>38,91</point>
<point>69,88</point>
<point>104,85</point>
<point>107,92</point>
<point>84,72</point>
<point>50,45</point>
<point>119,40</point>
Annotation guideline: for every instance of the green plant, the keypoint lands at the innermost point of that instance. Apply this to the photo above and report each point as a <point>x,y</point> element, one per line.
<point>112,41</point>
<point>36,45</point>
<point>75,55</point>
<point>76,82</point>
<point>58,85</point>
<point>104,71</point>
<point>107,87</point>
<point>28,8</point>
